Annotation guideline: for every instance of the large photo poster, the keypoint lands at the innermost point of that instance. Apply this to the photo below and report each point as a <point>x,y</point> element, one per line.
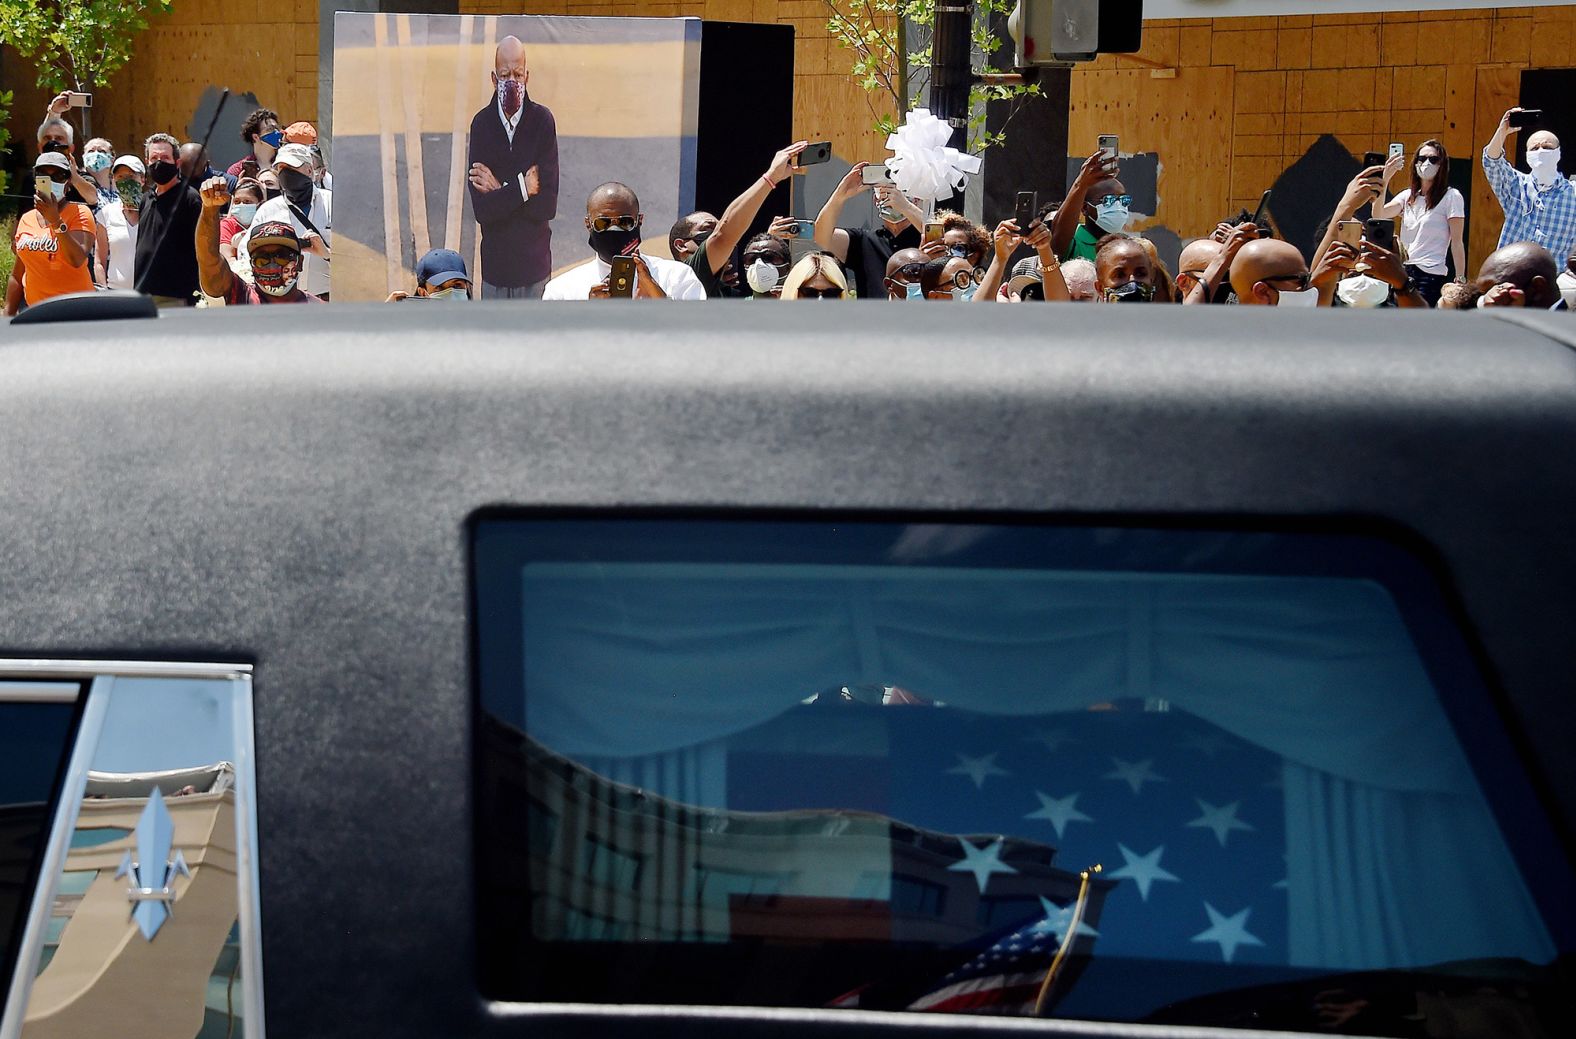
<point>485,135</point>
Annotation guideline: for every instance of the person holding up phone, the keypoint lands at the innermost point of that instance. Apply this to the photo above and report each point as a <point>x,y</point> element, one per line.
<point>1539,206</point>
<point>706,243</point>
<point>1008,237</point>
<point>866,252</point>
<point>1097,205</point>
<point>51,240</point>
<point>57,135</point>
<point>613,220</point>
<point>1433,218</point>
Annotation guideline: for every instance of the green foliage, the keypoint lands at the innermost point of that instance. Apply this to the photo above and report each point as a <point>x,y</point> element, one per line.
<point>75,44</point>
<point>892,66</point>
<point>7,257</point>
<point>5,135</point>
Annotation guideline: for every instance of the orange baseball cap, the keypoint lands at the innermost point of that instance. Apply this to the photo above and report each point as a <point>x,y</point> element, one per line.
<point>301,132</point>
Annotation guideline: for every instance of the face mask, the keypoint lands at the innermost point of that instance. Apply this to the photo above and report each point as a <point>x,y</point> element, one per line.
<point>277,281</point>
<point>243,212</point>
<point>130,192</point>
<point>1130,292</point>
<point>762,277</point>
<point>965,295</point>
<point>1544,163</point>
<point>57,190</point>
<point>957,250</point>
<point>163,172</point>
<point>296,186</point>
<point>1426,169</point>
<point>613,242</point>
<point>98,162</point>
<point>272,139</point>
<point>1361,291</point>
<point>1308,297</point>
<point>914,291</point>
<point>1111,217</point>
<point>510,95</point>
<point>451,295</point>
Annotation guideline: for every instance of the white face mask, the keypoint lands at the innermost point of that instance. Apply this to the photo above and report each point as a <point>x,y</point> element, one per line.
<point>761,276</point>
<point>1111,217</point>
<point>1308,297</point>
<point>1544,163</point>
<point>1426,168</point>
<point>1362,291</point>
<point>451,295</point>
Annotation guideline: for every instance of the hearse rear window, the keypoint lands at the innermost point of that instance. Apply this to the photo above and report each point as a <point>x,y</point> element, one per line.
<point>1231,778</point>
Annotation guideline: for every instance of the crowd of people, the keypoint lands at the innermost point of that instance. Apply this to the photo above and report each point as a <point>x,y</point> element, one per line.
<point>167,224</point>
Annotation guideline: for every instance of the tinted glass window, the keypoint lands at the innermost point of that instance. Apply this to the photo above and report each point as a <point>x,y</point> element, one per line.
<point>877,765</point>
<point>36,721</point>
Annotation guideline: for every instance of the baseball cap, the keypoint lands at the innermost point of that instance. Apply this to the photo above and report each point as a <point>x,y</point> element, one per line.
<point>54,159</point>
<point>273,232</point>
<point>296,156</point>
<point>301,132</point>
<point>439,266</point>
<point>131,162</point>
<point>1024,273</point>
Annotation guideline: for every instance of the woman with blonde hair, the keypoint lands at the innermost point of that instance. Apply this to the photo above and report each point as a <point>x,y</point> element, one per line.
<point>817,276</point>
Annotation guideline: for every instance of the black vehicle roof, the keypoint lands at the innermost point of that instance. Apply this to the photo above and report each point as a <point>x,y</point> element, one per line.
<point>292,488</point>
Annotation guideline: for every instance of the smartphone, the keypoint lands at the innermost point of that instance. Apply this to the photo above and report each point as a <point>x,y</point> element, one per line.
<point>1264,205</point>
<point>1397,151</point>
<point>77,99</point>
<point>1526,117</point>
<point>875,173</point>
<point>1028,208</point>
<point>933,231</point>
<point>1350,232</point>
<point>1380,231</point>
<point>804,229</point>
<point>621,282</point>
<point>44,186</point>
<point>1108,145</point>
<point>815,154</point>
<point>1372,159</point>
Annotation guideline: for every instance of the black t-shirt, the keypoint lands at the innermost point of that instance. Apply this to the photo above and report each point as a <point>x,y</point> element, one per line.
<point>168,223</point>
<point>702,268</point>
<point>869,251</point>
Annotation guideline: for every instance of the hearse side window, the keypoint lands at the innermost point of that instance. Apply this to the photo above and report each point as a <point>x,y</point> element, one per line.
<point>1220,774</point>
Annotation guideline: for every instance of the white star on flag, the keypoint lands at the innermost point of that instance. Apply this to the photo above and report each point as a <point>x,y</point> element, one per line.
<point>981,862</point>
<point>977,768</point>
<point>1057,919</point>
<point>1135,774</point>
<point>1228,931</point>
<point>1059,810</point>
<point>1142,870</point>
<point>1220,818</point>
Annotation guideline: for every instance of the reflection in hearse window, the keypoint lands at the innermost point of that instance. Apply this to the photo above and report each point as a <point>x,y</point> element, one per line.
<point>931,758</point>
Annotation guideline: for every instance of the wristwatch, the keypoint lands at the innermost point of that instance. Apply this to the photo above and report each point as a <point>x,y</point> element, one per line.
<point>61,228</point>
<point>1407,287</point>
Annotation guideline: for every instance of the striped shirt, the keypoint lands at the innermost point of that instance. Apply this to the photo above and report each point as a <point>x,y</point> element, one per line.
<point>1533,214</point>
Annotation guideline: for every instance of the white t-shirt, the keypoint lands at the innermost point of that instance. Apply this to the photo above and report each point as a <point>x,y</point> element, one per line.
<point>675,278</point>
<point>1426,232</point>
<point>314,272</point>
<point>120,264</point>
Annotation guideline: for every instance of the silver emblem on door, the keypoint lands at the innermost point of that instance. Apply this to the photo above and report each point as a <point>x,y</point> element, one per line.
<point>153,872</point>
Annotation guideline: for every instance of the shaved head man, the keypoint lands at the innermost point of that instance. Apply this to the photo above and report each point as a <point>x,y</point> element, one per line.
<point>1196,257</point>
<point>1540,206</point>
<point>613,223</point>
<point>898,280</point>
<point>513,180</point>
<point>1520,275</point>
<point>1269,272</point>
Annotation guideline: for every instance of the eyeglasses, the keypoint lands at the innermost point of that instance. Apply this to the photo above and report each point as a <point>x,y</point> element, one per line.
<point>1302,279</point>
<point>832,293</point>
<point>623,223</point>
<point>282,258</point>
<point>57,175</point>
<point>1111,200</point>
<point>962,280</point>
<point>909,271</point>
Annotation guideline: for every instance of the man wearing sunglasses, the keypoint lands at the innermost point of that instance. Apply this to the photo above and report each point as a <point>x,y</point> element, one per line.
<point>903,272</point>
<point>1097,205</point>
<point>261,134</point>
<point>613,220</point>
<point>1269,272</point>
<point>272,247</point>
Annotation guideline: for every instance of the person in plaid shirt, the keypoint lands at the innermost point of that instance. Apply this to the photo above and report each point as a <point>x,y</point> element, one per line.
<point>1539,206</point>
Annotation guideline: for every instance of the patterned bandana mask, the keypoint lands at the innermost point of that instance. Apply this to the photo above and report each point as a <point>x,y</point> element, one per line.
<point>511,95</point>
<point>277,279</point>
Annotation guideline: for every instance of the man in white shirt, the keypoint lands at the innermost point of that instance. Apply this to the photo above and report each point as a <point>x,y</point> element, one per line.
<point>613,218</point>
<point>309,208</point>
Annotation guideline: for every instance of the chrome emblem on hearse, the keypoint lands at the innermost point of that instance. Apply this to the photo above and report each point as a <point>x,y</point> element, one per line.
<point>153,871</point>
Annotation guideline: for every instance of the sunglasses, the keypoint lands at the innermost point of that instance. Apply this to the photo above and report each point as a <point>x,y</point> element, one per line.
<point>832,293</point>
<point>1111,200</point>
<point>623,223</point>
<point>58,176</point>
<point>909,271</point>
<point>282,258</point>
<point>1302,280</point>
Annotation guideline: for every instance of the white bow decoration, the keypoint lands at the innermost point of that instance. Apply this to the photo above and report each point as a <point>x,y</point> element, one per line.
<point>922,165</point>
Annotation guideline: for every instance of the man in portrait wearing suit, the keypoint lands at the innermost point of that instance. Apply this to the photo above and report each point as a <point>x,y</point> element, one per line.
<point>514,181</point>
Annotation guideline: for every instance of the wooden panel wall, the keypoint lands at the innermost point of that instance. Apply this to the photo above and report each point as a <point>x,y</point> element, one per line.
<point>269,50</point>
<point>1280,82</point>
<point>828,104</point>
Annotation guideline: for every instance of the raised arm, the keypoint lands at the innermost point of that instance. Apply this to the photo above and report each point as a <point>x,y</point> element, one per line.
<point>1495,148</point>
<point>1065,224</point>
<point>736,219</point>
<point>212,272</point>
<point>1362,189</point>
<point>1391,208</point>
<point>1006,239</point>
<point>828,235</point>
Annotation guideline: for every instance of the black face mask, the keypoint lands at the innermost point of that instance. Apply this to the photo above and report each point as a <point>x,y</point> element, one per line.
<point>1130,292</point>
<point>163,172</point>
<point>297,187</point>
<point>613,242</point>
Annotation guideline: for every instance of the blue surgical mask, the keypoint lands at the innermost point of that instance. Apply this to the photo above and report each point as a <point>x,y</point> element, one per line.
<point>58,190</point>
<point>244,212</point>
<point>914,291</point>
<point>965,294</point>
<point>1111,216</point>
